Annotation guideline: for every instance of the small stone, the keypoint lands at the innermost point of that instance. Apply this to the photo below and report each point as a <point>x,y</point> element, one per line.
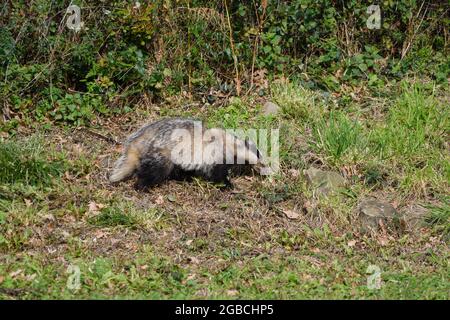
<point>325,182</point>
<point>373,213</point>
<point>414,216</point>
<point>270,108</point>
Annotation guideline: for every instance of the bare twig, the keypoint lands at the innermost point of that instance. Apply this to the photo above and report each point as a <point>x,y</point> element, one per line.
<point>411,39</point>
<point>101,136</point>
<point>233,51</point>
<point>261,21</point>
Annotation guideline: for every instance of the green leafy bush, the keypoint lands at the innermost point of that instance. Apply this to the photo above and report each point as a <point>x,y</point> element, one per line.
<point>125,51</point>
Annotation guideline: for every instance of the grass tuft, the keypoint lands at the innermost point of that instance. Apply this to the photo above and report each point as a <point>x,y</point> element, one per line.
<point>295,101</point>
<point>338,136</point>
<point>29,162</point>
<point>112,217</point>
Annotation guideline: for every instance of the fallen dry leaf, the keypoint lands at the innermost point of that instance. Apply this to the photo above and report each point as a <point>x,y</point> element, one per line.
<point>15,273</point>
<point>31,277</point>
<point>306,277</point>
<point>232,292</point>
<point>190,277</point>
<point>351,243</point>
<point>160,200</point>
<point>383,241</point>
<point>99,234</point>
<point>28,202</point>
<point>308,207</point>
<point>94,207</point>
<point>49,217</point>
<point>67,175</point>
<point>294,173</point>
<point>194,260</point>
<point>291,214</point>
<point>77,149</point>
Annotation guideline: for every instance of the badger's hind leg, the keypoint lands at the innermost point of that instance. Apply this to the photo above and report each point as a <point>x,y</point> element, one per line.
<point>153,170</point>
<point>219,174</point>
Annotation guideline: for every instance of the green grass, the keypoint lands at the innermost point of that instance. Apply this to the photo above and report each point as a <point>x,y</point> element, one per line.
<point>149,275</point>
<point>338,136</point>
<point>415,126</point>
<point>413,138</point>
<point>297,102</point>
<point>190,240</point>
<point>439,217</point>
<point>111,217</point>
<point>29,162</point>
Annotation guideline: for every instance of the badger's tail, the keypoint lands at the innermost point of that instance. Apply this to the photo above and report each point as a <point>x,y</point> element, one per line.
<point>125,166</point>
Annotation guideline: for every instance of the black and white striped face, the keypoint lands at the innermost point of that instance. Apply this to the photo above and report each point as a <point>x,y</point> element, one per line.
<point>229,149</point>
<point>251,146</point>
<point>236,151</point>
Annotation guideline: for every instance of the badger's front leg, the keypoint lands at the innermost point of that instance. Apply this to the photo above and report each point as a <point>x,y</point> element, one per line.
<point>219,174</point>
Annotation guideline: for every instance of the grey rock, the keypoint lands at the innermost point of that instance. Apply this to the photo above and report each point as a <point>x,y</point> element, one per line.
<point>373,212</point>
<point>414,216</point>
<point>270,108</point>
<point>325,182</point>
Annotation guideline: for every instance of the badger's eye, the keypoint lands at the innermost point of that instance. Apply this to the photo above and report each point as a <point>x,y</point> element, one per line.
<point>247,145</point>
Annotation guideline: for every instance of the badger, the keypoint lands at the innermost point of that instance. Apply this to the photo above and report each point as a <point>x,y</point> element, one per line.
<point>181,148</point>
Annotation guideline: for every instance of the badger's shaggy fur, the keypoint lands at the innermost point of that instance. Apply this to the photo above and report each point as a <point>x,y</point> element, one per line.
<point>177,148</point>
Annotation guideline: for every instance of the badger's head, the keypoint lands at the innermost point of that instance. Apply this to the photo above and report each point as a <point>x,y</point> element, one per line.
<point>261,165</point>
<point>241,154</point>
